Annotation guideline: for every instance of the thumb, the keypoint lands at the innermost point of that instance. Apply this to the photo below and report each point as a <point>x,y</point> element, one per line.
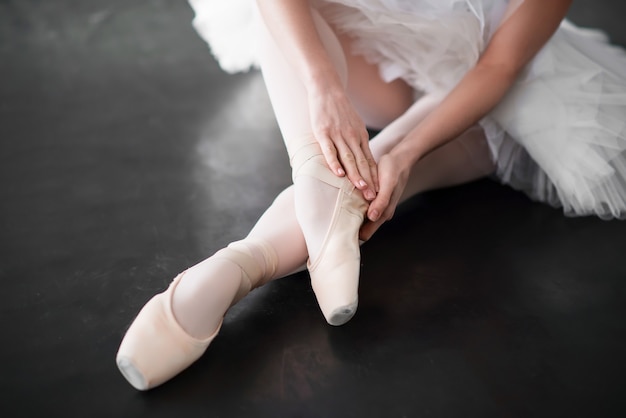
<point>369,228</point>
<point>380,203</point>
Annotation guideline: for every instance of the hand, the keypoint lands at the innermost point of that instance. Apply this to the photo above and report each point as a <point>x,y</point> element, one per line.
<point>343,138</point>
<point>393,180</point>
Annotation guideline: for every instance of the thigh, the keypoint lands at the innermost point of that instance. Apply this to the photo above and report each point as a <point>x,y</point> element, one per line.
<point>377,101</point>
<point>287,92</point>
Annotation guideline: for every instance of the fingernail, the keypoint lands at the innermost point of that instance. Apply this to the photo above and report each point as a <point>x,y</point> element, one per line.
<point>362,183</point>
<point>369,195</point>
<point>340,172</point>
<point>374,215</point>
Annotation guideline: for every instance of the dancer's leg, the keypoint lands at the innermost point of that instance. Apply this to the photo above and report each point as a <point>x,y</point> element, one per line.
<point>465,159</point>
<point>209,288</point>
<point>329,209</point>
<point>314,198</point>
<point>175,327</point>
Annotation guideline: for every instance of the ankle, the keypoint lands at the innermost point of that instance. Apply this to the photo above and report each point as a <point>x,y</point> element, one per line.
<point>203,296</point>
<point>260,262</point>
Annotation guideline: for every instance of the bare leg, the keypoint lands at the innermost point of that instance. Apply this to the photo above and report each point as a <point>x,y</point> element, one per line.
<point>212,286</point>
<point>328,208</point>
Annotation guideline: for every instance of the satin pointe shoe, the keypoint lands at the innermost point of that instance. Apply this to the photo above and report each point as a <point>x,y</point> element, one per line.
<point>335,272</point>
<point>156,348</point>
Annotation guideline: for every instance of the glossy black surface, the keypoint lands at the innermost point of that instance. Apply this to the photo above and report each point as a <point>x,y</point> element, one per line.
<point>126,155</point>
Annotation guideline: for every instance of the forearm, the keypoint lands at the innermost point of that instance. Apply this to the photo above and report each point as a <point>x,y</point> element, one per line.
<point>475,96</point>
<point>291,24</point>
<point>514,44</point>
<point>391,135</point>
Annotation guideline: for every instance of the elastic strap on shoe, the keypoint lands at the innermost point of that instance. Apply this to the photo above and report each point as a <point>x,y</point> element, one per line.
<point>254,275</point>
<point>308,160</point>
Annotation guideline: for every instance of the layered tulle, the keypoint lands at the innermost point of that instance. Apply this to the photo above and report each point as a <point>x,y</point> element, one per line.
<point>430,44</point>
<point>560,133</point>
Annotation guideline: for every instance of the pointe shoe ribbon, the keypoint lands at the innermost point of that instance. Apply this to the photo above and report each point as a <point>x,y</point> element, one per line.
<point>335,273</point>
<point>155,347</point>
<point>252,275</point>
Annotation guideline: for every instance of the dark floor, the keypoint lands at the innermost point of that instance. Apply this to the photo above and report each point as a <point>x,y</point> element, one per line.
<point>126,156</point>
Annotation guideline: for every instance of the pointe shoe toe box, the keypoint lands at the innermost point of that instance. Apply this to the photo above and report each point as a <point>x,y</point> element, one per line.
<point>341,315</point>
<point>155,348</point>
<point>337,292</point>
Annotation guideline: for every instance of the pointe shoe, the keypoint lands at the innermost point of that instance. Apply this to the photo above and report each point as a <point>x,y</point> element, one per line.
<point>335,272</point>
<point>155,347</point>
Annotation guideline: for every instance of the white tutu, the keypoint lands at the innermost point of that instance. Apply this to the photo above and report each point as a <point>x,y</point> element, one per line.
<point>229,27</point>
<point>560,133</point>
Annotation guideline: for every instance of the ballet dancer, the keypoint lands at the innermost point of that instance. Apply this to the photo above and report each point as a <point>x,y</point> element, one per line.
<point>459,89</point>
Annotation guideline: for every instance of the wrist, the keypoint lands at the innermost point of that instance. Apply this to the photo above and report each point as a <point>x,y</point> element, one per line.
<point>404,158</point>
<point>323,81</point>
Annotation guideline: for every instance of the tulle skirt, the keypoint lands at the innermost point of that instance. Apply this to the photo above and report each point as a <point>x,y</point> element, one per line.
<point>560,133</point>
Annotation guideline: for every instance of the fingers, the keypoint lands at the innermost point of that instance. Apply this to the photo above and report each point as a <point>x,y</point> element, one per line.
<point>383,207</point>
<point>363,160</point>
<point>330,154</point>
<point>344,140</point>
<point>357,167</point>
<point>380,211</point>
<point>380,208</point>
<point>371,163</point>
<point>349,154</point>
